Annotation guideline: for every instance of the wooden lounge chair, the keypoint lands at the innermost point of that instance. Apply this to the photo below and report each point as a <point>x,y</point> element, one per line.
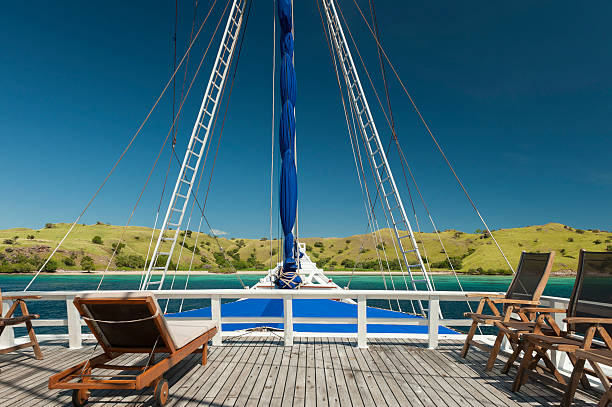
<point>525,289</point>
<point>589,326</point>
<point>25,318</point>
<point>131,322</point>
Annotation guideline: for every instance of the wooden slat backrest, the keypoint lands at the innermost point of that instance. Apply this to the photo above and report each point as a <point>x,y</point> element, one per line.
<point>531,276</point>
<point>592,293</point>
<point>132,335</point>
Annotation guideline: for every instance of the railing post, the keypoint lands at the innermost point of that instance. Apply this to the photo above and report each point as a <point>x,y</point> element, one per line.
<point>288,322</point>
<point>362,324</point>
<point>432,322</point>
<point>215,309</point>
<point>74,326</point>
<point>7,339</point>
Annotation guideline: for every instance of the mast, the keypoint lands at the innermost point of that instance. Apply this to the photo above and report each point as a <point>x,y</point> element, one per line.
<point>288,276</point>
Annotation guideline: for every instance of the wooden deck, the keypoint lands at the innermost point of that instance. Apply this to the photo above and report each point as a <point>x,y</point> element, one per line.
<point>316,371</point>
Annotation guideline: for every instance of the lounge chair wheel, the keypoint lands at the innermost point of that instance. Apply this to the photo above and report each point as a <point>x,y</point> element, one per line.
<point>161,392</point>
<point>80,397</point>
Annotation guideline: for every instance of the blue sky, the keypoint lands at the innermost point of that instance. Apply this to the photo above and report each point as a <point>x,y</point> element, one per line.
<point>519,94</point>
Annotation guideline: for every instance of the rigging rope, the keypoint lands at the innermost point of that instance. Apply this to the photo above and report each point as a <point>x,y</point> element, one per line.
<point>112,170</point>
<point>156,161</point>
<point>433,137</point>
<point>196,201</point>
<point>273,122</point>
<point>174,69</point>
<point>367,200</point>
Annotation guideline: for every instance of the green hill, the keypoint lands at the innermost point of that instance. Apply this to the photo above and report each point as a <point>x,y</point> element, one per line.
<point>23,249</point>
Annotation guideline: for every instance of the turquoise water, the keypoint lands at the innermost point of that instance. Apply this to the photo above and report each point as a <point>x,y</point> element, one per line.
<point>557,286</point>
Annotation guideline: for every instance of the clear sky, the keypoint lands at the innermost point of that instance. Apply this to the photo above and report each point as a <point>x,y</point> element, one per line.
<point>518,93</point>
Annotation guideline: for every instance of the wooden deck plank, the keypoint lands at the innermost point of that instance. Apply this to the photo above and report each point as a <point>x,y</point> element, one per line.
<point>245,368</point>
<point>255,370</point>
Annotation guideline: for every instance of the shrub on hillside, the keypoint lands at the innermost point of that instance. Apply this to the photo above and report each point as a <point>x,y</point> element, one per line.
<point>318,244</point>
<point>609,248</point>
<point>570,239</point>
<point>69,262</point>
<point>51,266</point>
<point>97,240</point>
<point>87,263</point>
<point>579,231</point>
<point>117,247</point>
<point>8,241</point>
<point>30,237</point>
<point>597,241</point>
<point>455,262</point>
<point>131,261</point>
<point>48,225</point>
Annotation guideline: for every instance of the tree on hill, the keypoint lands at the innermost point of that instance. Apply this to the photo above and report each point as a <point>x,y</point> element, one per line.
<point>87,263</point>
<point>97,240</point>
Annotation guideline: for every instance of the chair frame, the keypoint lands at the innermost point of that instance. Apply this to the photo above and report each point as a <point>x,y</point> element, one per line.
<point>536,344</point>
<point>26,318</point>
<point>150,374</point>
<point>594,358</point>
<point>510,306</point>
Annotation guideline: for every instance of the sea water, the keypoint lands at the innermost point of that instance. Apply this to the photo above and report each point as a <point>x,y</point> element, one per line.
<point>557,286</point>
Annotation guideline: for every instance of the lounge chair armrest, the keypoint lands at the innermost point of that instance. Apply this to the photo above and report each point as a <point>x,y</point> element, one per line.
<point>587,320</point>
<point>21,297</point>
<point>485,295</point>
<point>511,301</point>
<point>542,309</point>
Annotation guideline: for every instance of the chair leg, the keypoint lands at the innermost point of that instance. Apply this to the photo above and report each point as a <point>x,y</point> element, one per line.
<point>607,398</point>
<point>583,379</point>
<point>31,333</point>
<point>522,372</point>
<point>568,397</point>
<point>494,351</point>
<point>517,351</point>
<point>204,354</point>
<point>468,339</point>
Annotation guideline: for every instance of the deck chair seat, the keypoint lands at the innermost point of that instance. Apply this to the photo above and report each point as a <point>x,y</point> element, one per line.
<point>524,290</point>
<point>598,355</point>
<point>132,322</point>
<point>183,332</point>
<point>554,342</point>
<point>483,318</point>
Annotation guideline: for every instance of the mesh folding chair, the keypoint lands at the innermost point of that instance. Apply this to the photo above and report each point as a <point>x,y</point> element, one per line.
<point>589,326</point>
<point>525,289</point>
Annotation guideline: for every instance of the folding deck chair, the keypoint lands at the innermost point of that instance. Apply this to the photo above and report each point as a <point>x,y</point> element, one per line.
<point>525,289</point>
<point>131,322</point>
<point>25,318</point>
<point>589,327</point>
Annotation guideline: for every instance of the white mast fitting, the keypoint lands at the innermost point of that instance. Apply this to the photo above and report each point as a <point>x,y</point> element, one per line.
<point>417,272</point>
<point>169,232</point>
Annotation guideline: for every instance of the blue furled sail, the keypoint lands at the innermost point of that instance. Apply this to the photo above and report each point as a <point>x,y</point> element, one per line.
<point>288,276</point>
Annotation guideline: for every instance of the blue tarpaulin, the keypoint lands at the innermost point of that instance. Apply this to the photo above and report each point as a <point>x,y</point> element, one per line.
<point>254,307</point>
<point>288,277</point>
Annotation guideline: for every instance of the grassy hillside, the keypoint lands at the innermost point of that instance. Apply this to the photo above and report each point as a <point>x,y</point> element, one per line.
<point>24,249</point>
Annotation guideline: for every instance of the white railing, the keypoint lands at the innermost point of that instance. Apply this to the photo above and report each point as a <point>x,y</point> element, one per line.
<point>74,323</point>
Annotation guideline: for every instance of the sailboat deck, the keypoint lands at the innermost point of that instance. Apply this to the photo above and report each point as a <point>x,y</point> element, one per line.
<point>314,371</point>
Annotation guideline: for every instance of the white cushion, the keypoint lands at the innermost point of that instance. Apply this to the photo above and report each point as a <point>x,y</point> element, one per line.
<point>184,331</point>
